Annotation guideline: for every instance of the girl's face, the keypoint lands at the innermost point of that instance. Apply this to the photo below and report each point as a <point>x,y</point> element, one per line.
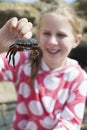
<point>56,40</point>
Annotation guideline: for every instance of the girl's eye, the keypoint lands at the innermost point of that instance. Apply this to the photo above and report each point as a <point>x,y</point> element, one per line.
<point>61,35</point>
<point>46,33</point>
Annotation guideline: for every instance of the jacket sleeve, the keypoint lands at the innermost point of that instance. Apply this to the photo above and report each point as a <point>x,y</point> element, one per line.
<point>72,115</point>
<point>7,70</point>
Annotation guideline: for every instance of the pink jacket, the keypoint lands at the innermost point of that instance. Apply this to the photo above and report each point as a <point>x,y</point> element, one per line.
<point>55,102</point>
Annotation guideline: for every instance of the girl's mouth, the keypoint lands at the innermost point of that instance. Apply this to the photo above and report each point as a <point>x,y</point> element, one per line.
<point>53,51</point>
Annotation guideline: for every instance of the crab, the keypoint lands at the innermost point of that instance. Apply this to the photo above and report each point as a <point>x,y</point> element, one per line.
<point>21,44</point>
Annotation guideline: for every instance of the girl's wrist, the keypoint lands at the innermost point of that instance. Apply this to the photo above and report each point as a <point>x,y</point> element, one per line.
<point>3,39</point>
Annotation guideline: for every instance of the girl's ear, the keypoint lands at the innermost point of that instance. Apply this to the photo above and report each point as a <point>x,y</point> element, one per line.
<point>77,40</point>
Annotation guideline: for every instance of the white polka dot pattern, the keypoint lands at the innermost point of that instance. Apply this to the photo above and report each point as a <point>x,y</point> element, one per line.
<point>36,87</point>
<point>51,82</point>
<point>36,108</point>
<point>1,64</point>
<point>17,57</point>
<point>71,76</point>
<point>27,69</point>
<point>74,86</point>
<point>62,95</point>
<point>79,108</point>
<point>48,122</point>
<point>31,126</point>
<point>22,124</point>
<point>57,96</point>
<point>21,109</point>
<point>8,75</point>
<point>71,98</point>
<point>83,88</point>
<point>24,90</point>
<point>48,103</point>
<point>67,114</point>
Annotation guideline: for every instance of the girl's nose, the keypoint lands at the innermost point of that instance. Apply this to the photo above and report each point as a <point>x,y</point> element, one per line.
<point>53,40</point>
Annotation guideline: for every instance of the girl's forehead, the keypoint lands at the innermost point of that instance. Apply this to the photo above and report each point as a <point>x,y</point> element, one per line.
<point>55,20</point>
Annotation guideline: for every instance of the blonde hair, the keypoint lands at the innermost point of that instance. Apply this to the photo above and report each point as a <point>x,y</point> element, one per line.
<point>72,17</point>
<point>68,12</point>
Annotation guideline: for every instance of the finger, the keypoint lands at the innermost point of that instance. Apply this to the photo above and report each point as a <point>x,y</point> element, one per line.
<point>27,35</point>
<point>12,23</point>
<point>22,23</point>
<point>25,29</point>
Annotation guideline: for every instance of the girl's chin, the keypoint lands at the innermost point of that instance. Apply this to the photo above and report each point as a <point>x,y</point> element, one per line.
<point>52,56</point>
<point>51,60</point>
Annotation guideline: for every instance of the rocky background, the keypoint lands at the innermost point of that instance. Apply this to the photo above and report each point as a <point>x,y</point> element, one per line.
<point>33,12</point>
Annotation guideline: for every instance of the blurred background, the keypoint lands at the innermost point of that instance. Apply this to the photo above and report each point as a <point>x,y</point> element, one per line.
<point>31,9</point>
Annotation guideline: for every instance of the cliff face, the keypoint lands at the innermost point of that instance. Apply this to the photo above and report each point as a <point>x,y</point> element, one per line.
<point>80,53</point>
<point>81,7</point>
<point>32,12</point>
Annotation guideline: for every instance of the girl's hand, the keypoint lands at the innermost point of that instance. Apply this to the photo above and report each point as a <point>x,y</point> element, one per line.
<point>12,30</point>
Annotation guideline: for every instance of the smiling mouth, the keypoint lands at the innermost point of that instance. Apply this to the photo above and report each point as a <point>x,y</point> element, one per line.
<point>53,51</point>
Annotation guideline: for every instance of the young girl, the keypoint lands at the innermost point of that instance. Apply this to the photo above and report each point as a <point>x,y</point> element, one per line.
<point>55,99</point>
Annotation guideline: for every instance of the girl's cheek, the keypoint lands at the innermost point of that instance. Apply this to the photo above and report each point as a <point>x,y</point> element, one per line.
<point>41,45</point>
